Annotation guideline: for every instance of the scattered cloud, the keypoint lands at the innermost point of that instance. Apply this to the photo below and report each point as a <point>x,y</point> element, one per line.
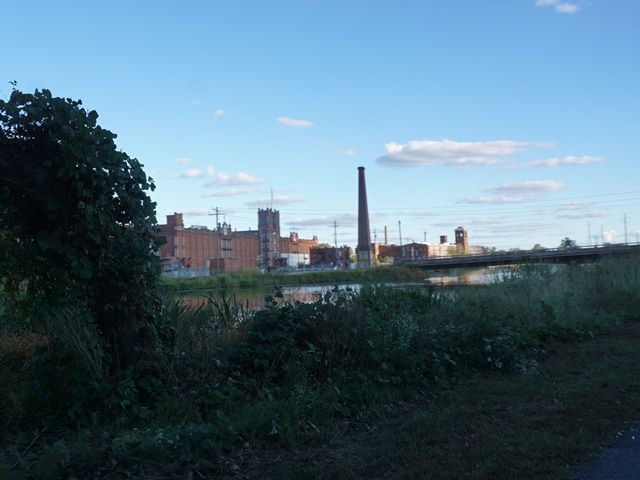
<point>275,201</point>
<point>530,188</point>
<point>558,6</point>
<point>576,205</point>
<point>183,161</point>
<point>420,153</point>
<point>349,151</point>
<point>557,162</point>
<point>196,213</point>
<point>219,112</point>
<point>321,221</point>
<point>196,102</point>
<point>566,8</point>
<point>490,200</point>
<point>194,173</point>
<point>232,192</point>
<point>573,214</point>
<point>293,123</point>
<point>576,210</point>
<point>240,178</point>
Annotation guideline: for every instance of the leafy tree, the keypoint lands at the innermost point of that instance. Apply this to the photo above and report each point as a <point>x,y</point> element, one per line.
<point>76,222</point>
<point>568,243</point>
<point>539,247</point>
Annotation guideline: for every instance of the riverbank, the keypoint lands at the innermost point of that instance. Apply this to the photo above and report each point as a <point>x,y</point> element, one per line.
<point>520,379</point>
<point>254,278</point>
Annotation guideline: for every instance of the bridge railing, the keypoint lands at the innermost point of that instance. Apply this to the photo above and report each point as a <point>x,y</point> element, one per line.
<point>534,253</point>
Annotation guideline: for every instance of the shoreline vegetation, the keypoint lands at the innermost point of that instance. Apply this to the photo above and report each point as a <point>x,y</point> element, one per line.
<point>523,378</point>
<point>254,278</point>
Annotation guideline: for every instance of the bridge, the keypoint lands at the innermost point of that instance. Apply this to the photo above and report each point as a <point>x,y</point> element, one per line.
<point>549,255</point>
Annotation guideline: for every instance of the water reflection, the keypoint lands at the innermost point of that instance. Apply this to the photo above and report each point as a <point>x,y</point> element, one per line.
<point>254,298</point>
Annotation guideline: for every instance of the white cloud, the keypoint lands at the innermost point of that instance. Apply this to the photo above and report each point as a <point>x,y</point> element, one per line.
<point>275,201</point>
<point>576,205</point>
<point>349,151</point>
<point>530,188</point>
<point>194,173</point>
<point>219,112</point>
<point>419,153</point>
<point>490,200</point>
<point>566,8</point>
<point>196,213</point>
<point>582,214</point>
<point>557,162</point>
<point>293,123</point>
<point>557,6</point>
<point>239,178</point>
<point>183,161</point>
<point>232,192</point>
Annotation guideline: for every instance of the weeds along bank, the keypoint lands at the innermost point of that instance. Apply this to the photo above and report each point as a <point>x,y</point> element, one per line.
<point>251,278</point>
<point>224,376</point>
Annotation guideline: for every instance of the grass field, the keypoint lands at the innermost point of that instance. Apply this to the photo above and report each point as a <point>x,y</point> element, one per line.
<point>522,378</point>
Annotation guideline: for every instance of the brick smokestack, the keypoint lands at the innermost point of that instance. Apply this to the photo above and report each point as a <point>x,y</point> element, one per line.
<point>364,232</point>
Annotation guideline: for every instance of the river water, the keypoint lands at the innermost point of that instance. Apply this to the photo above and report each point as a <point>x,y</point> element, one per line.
<point>254,297</point>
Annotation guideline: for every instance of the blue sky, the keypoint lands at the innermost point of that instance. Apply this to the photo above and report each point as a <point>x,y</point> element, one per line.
<point>517,119</point>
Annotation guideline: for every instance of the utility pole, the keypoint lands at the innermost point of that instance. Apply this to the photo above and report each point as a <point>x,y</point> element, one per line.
<point>335,241</point>
<point>589,231</point>
<point>400,233</point>
<point>217,242</point>
<point>602,233</point>
<point>626,239</point>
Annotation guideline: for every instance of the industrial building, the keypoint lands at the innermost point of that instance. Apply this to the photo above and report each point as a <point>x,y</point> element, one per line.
<point>426,250</point>
<point>203,251</point>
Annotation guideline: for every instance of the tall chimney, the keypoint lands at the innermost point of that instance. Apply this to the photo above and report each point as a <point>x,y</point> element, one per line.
<point>364,232</point>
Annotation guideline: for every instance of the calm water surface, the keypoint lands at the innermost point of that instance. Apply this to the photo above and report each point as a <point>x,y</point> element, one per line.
<point>254,297</point>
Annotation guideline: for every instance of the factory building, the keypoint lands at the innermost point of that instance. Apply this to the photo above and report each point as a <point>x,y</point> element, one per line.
<point>417,250</point>
<point>222,249</point>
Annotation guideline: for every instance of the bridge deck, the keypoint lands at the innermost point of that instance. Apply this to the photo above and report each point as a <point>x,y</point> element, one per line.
<point>566,255</point>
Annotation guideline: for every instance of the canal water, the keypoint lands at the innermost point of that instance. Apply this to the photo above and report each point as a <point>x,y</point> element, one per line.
<point>254,297</point>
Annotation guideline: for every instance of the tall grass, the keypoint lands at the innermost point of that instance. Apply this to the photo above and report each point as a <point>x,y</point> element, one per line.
<point>225,375</point>
<point>250,278</point>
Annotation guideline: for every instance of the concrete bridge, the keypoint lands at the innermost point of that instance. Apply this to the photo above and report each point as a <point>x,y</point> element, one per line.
<point>550,255</point>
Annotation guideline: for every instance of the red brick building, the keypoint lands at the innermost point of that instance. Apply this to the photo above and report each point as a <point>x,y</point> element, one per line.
<point>327,256</point>
<point>225,250</point>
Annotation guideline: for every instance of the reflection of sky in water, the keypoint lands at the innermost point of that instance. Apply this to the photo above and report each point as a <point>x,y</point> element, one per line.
<point>254,298</point>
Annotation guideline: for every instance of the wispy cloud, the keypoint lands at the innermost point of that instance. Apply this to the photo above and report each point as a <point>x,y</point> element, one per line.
<point>219,112</point>
<point>558,6</point>
<point>232,192</point>
<point>349,151</point>
<point>530,188</point>
<point>577,210</point>
<point>345,222</point>
<point>557,162</point>
<point>183,161</point>
<point>490,200</point>
<point>582,214</point>
<point>320,221</point>
<point>419,153</point>
<point>194,173</point>
<point>293,123</point>
<point>240,178</point>
<point>275,201</point>
<point>196,213</point>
